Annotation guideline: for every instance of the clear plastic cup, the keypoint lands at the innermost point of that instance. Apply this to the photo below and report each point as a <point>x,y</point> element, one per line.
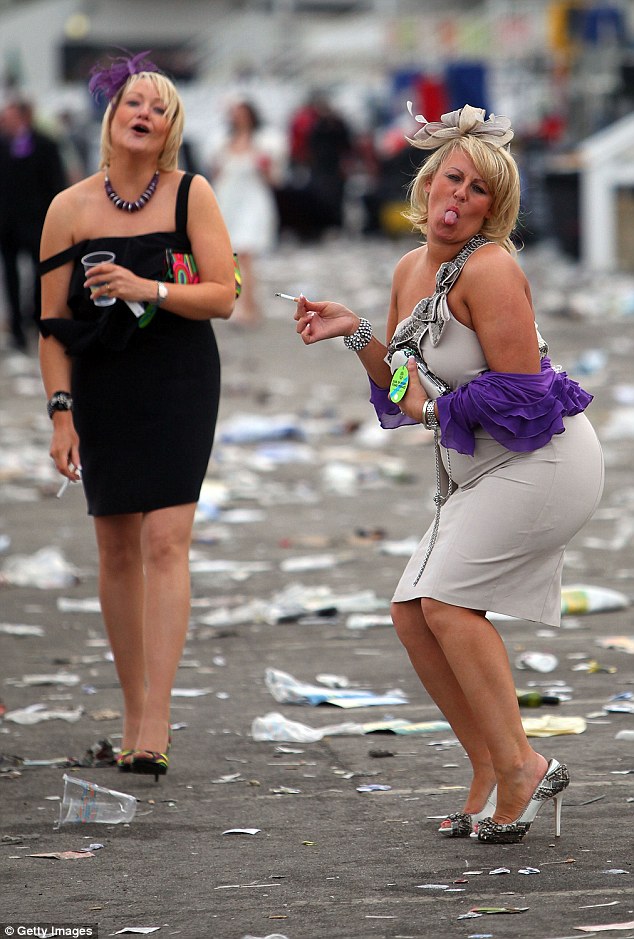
<point>84,802</point>
<point>91,260</point>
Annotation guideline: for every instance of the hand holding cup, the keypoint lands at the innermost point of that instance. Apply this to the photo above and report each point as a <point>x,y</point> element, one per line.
<point>92,260</point>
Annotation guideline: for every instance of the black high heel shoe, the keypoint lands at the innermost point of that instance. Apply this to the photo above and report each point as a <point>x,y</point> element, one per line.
<point>150,763</point>
<point>461,824</point>
<point>552,786</point>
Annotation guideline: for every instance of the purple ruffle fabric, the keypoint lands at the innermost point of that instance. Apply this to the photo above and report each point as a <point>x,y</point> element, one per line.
<point>388,413</point>
<point>521,412</point>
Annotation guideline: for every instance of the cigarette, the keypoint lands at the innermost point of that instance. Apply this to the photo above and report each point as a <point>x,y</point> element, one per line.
<point>67,481</point>
<point>287,296</point>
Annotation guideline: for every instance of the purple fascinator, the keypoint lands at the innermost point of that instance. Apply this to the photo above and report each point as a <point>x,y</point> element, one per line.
<point>107,82</point>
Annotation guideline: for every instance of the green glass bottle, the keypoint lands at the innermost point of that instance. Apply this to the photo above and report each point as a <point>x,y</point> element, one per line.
<point>535,699</point>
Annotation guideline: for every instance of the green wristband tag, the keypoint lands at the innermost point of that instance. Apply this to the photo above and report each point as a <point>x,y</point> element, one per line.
<point>399,383</point>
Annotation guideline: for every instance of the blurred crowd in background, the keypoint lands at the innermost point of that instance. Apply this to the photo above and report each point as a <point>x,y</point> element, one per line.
<point>323,152</point>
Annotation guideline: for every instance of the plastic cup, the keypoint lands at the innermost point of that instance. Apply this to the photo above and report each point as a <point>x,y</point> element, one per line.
<point>85,802</point>
<point>91,260</point>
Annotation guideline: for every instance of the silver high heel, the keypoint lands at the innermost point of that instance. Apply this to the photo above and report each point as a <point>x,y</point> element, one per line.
<point>461,823</point>
<point>552,786</point>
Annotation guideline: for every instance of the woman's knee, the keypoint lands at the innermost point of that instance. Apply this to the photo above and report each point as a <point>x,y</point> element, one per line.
<point>166,539</point>
<point>118,545</point>
<point>161,549</point>
<point>409,622</point>
<point>435,614</point>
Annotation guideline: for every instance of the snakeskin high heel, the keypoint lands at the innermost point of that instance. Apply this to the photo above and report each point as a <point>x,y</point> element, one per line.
<point>461,824</point>
<point>552,786</point>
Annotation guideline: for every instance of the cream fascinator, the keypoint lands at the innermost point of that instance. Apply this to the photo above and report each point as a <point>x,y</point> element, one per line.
<point>467,121</point>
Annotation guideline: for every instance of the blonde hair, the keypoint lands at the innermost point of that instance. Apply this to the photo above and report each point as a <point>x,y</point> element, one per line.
<point>174,113</point>
<point>498,170</point>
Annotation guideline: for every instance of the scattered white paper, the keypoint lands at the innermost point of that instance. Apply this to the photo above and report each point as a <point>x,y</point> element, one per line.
<point>20,629</point>
<point>137,930</point>
<point>607,926</point>
<point>36,713</point>
<point>242,831</point>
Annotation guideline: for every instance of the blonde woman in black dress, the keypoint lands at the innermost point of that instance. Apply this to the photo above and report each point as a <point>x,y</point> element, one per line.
<point>133,387</point>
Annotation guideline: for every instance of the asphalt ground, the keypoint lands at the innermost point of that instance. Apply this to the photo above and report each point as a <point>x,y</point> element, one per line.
<point>327,861</point>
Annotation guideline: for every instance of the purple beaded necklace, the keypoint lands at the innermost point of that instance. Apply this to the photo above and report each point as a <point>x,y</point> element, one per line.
<point>126,206</point>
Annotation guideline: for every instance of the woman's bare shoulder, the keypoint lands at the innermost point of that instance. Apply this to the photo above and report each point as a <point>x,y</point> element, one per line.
<point>76,197</point>
<point>492,261</point>
<point>406,264</point>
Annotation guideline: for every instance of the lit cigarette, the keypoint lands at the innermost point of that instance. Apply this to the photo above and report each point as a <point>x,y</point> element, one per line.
<point>287,296</point>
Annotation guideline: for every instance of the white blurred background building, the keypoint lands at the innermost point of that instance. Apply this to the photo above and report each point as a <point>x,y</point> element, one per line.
<point>563,70</point>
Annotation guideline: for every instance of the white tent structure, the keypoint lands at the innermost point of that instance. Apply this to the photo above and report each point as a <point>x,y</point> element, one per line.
<point>606,165</point>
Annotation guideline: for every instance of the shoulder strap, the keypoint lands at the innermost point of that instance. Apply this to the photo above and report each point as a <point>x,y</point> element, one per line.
<point>62,257</point>
<point>182,201</point>
<point>449,272</point>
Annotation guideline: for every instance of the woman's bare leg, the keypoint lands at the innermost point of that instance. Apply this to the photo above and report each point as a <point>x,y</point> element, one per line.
<point>165,541</point>
<point>121,593</point>
<point>477,657</point>
<point>434,671</point>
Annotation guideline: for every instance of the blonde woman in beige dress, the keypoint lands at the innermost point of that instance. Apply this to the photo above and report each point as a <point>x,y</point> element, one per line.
<point>519,467</point>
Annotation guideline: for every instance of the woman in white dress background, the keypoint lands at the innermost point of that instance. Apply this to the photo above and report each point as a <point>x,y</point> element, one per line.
<point>242,175</point>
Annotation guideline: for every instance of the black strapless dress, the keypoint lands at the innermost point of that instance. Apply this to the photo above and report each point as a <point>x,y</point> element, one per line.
<point>145,398</point>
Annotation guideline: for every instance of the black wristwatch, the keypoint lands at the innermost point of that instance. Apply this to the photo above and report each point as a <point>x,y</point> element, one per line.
<point>59,401</point>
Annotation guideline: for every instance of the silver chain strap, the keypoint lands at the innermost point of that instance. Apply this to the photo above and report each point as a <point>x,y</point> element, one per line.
<point>439,501</point>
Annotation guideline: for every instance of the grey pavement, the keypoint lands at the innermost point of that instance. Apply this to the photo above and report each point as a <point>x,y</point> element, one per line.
<point>327,861</point>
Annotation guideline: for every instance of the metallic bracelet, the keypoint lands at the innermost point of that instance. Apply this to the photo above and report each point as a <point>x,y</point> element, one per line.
<point>59,401</point>
<point>430,421</point>
<point>360,338</point>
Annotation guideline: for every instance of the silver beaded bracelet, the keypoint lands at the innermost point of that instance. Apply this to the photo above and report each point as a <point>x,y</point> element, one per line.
<point>360,337</point>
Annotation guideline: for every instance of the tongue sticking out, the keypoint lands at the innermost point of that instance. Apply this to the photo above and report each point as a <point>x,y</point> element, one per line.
<point>450,217</point>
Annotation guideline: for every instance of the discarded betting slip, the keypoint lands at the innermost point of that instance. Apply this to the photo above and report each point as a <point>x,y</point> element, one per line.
<point>288,690</point>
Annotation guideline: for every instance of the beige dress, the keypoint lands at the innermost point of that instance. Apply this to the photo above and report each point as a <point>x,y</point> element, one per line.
<point>503,531</point>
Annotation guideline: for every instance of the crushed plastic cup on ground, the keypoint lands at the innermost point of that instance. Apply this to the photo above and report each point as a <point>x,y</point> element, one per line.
<point>84,802</point>
<point>537,661</point>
